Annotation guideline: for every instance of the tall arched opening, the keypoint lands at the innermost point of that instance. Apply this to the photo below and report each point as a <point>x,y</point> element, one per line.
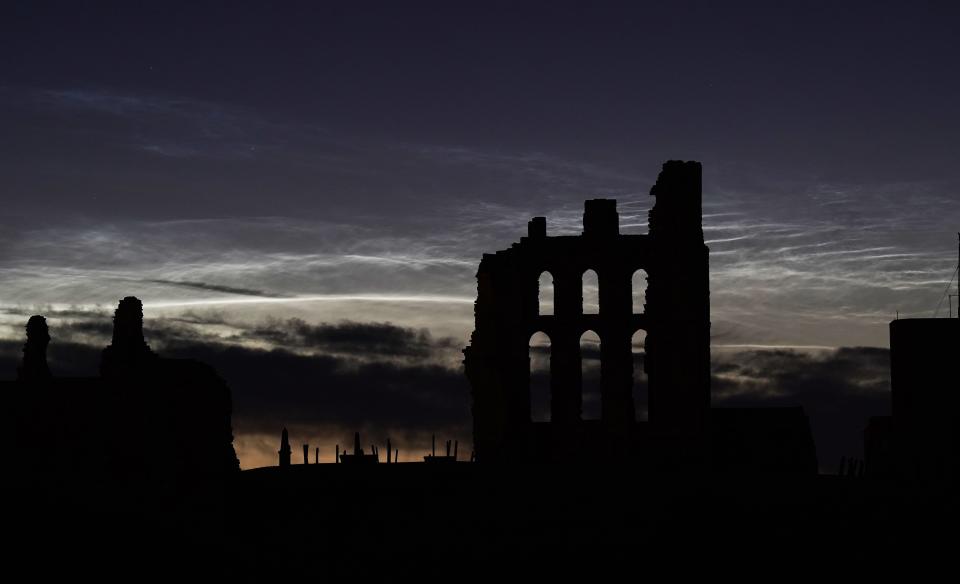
<point>545,293</point>
<point>539,352</point>
<point>591,292</point>
<point>590,378</point>
<point>638,288</point>
<point>641,388</point>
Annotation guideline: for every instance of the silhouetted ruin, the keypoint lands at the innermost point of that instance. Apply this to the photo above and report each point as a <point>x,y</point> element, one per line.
<point>676,317</point>
<point>163,420</point>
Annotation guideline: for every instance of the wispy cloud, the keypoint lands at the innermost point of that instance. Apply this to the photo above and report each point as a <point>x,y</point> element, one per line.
<point>804,272</point>
<point>799,261</point>
<point>543,168</point>
<point>118,104</point>
<point>828,261</point>
<point>172,126</point>
<point>264,265</point>
<point>218,288</point>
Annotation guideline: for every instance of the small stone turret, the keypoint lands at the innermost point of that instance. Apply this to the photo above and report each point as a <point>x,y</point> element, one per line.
<point>600,218</point>
<point>128,354</point>
<point>34,366</point>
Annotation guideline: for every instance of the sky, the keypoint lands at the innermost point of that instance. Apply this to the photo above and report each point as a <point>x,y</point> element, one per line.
<point>309,186</point>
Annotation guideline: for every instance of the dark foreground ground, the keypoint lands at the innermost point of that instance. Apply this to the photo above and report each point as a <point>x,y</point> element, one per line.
<point>463,521</point>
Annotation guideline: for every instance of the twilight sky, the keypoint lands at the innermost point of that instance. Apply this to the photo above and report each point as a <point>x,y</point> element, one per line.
<point>317,181</point>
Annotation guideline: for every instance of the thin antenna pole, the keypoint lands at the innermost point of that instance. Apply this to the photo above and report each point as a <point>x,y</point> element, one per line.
<point>946,292</point>
<point>949,295</point>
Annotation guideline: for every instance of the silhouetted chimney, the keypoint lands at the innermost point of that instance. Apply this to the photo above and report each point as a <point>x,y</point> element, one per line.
<point>356,444</point>
<point>128,352</point>
<point>537,228</point>
<point>306,454</point>
<point>316,456</point>
<point>284,451</point>
<point>600,217</point>
<point>34,366</point>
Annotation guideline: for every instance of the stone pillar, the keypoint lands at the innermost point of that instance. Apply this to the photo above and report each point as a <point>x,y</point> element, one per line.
<point>128,353</point>
<point>284,451</point>
<point>34,366</point>
<point>618,412</point>
<point>565,378</point>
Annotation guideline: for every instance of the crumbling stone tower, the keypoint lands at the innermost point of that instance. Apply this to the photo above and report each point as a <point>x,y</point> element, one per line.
<point>676,317</point>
